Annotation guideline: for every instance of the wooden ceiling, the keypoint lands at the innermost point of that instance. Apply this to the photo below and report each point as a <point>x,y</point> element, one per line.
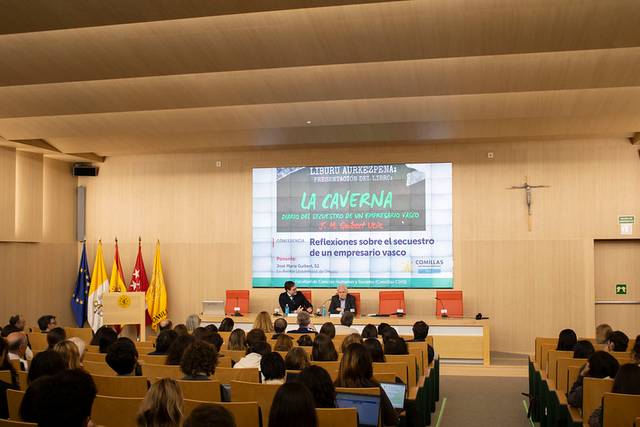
<point>156,76</point>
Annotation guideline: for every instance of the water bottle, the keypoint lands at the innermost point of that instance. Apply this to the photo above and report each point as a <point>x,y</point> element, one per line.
<point>286,310</point>
<point>324,311</point>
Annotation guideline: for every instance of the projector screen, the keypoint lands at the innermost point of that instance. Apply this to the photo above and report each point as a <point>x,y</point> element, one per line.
<point>367,226</point>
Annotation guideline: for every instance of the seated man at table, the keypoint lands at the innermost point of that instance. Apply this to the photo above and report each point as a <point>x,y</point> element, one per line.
<point>342,301</point>
<point>294,299</point>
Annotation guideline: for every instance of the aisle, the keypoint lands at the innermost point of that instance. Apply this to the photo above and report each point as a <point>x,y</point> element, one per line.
<point>482,401</point>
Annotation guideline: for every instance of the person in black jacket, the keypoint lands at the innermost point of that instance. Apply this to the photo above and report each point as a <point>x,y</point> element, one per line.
<point>294,299</point>
<point>342,301</point>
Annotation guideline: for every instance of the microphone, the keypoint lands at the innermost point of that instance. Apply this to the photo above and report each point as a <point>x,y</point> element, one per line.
<point>443,310</point>
<point>236,309</point>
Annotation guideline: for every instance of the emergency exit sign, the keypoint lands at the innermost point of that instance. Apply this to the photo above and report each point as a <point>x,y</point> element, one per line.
<point>621,289</point>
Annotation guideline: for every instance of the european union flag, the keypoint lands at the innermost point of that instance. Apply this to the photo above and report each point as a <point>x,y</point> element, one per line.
<point>79,299</point>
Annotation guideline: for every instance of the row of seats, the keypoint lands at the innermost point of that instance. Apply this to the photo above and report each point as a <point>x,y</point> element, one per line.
<point>551,375</point>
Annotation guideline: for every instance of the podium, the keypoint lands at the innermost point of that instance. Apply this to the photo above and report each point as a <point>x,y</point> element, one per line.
<point>125,308</point>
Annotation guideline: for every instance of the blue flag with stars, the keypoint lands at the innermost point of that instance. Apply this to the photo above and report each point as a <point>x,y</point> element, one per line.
<point>79,299</point>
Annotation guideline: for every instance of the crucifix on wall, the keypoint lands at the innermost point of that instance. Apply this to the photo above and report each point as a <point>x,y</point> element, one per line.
<point>527,188</point>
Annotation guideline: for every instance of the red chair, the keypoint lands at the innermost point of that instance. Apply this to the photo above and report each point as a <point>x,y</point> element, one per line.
<point>356,295</point>
<point>237,298</point>
<point>390,301</point>
<point>307,295</point>
<point>452,301</point>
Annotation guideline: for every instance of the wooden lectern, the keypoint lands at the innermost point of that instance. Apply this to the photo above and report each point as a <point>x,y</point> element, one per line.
<point>125,308</point>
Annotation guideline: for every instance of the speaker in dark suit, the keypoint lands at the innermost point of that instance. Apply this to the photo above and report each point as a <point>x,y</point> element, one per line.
<point>349,304</point>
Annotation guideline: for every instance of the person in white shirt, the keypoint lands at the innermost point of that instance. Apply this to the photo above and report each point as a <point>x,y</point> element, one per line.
<point>344,328</point>
<point>254,355</point>
<point>18,348</point>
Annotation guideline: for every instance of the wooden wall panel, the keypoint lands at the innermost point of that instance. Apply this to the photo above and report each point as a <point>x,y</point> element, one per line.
<point>7,193</point>
<point>529,283</point>
<point>29,196</point>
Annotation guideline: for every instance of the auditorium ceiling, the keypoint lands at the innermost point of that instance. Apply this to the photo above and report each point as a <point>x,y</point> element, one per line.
<point>162,76</point>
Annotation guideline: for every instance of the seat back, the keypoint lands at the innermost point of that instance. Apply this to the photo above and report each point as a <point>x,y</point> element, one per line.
<point>226,375</point>
<point>328,366</point>
<point>562,376</point>
<point>236,298</point>
<point>252,392</point>
<point>98,368</point>
<point>343,417</point>
<point>207,391</point>
<point>14,400</point>
<point>11,423</point>
<point>412,365</point>
<point>5,376</point>
<point>307,294</point>
<point>552,364</point>
<point>382,377</point>
<point>246,414</point>
<point>109,411</point>
<point>94,357</point>
<point>593,390</point>
<point>452,301</point>
<point>373,391</point>
<point>538,350</point>
<point>235,355</point>
<point>573,372</point>
<point>38,341</point>
<point>620,409</point>
<point>121,386</point>
<point>546,348</point>
<point>151,370</point>
<point>390,301</point>
<point>85,334</point>
<point>23,380</point>
<point>153,359</point>
<point>398,369</point>
<point>356,296</point>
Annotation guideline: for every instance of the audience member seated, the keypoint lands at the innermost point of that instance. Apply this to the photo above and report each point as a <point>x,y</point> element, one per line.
<point>344,328</point>
<point>566,340</point>
<point>214,339</point>
<point>47,323</point>
<point>296,359</point>
<point>192,322</point>
<point>63,399</point>
<point>328,329</point>
<point>602,333</point>
<point>583,349</point>
<point>283,343</point>
<point>18,349</point>
<point>16,324</point>
<point>263,321</point>
<point>395,346</point>
<point>600,365</point>
<point>69,353</point>
<point>293,405</point>
<point>318,381</point>
<point>4,386</point>
<point>177,348</point>
<point>254,355</point>
<point>369,331</point>
<point>305,341</point>
<point>162,405</point>
<point>304,324</point>
<point>627,382</point>
<point>107,338</point>
<point>211,328</point>
<point>382,327</point>
<point>181,329</point>
<point>617,341</point>
<point>55,336</point>
<point>350,339</point>
<point>293,299</point>
<point>210,414</point>
<point>199,361</point>
<point>272,368</point>
<point>374,348</point>
<point>47,362</point>
<point>122,357</point>
<point>279,327</point>
<point>164,325</point>
<point>163,342</point>
<point>237,340</point>
<point>420,334</point>
<point>199,332</point>
<point>323,349</point>
<point>226,325</point>
<point>356,371</point>
<point>635,351</point>
<point>95,340</point>
<point>255,335</point>
<point>80,345</point>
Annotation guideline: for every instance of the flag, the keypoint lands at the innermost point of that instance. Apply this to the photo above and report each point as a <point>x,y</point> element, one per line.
<point>99,287</point>
<point>79,298</point>
<point>139,281</point>
<point>116,284</point>
<point>157,293</point>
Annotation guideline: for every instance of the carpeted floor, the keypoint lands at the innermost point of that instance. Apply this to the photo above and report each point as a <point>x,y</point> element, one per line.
<point>482,402</point>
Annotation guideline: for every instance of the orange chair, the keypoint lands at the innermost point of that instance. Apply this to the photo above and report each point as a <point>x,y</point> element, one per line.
<point>452,301</point>
<point>307,295</point>
<point>356,295</point>
<point>390,301</point>
<point>237,298</point>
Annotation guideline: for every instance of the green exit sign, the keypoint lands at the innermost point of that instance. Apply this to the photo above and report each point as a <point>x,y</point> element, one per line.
<point>621,289</point>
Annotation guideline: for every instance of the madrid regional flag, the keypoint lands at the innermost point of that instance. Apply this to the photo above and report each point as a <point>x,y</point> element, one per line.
<point>157,293</point>
<point>99,287</point>
<point>139,281</point>
<point>116,284</point>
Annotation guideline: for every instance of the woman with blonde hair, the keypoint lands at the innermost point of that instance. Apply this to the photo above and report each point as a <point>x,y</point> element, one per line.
<point>69,353</point>
<point>192,323</point>
<point>263,321</point>
<point>350,339</point>
<point>237,340</point>
<point>162,405</point>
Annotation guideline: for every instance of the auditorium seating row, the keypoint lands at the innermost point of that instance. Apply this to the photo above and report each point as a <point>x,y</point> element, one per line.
<point>551,375</point>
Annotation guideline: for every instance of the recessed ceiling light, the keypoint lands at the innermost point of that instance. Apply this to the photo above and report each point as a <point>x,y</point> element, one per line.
<point>308,122</point>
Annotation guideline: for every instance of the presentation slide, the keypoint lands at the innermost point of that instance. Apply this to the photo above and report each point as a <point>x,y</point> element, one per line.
<point>367,226</point>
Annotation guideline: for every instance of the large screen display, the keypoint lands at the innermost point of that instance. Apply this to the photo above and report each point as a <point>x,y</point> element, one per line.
<point>367,226</point>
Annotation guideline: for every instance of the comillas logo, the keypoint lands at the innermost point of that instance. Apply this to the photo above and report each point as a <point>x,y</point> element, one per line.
<point>429,262</point>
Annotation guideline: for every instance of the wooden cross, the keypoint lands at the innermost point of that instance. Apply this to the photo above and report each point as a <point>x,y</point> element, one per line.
<point>527,188</point>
